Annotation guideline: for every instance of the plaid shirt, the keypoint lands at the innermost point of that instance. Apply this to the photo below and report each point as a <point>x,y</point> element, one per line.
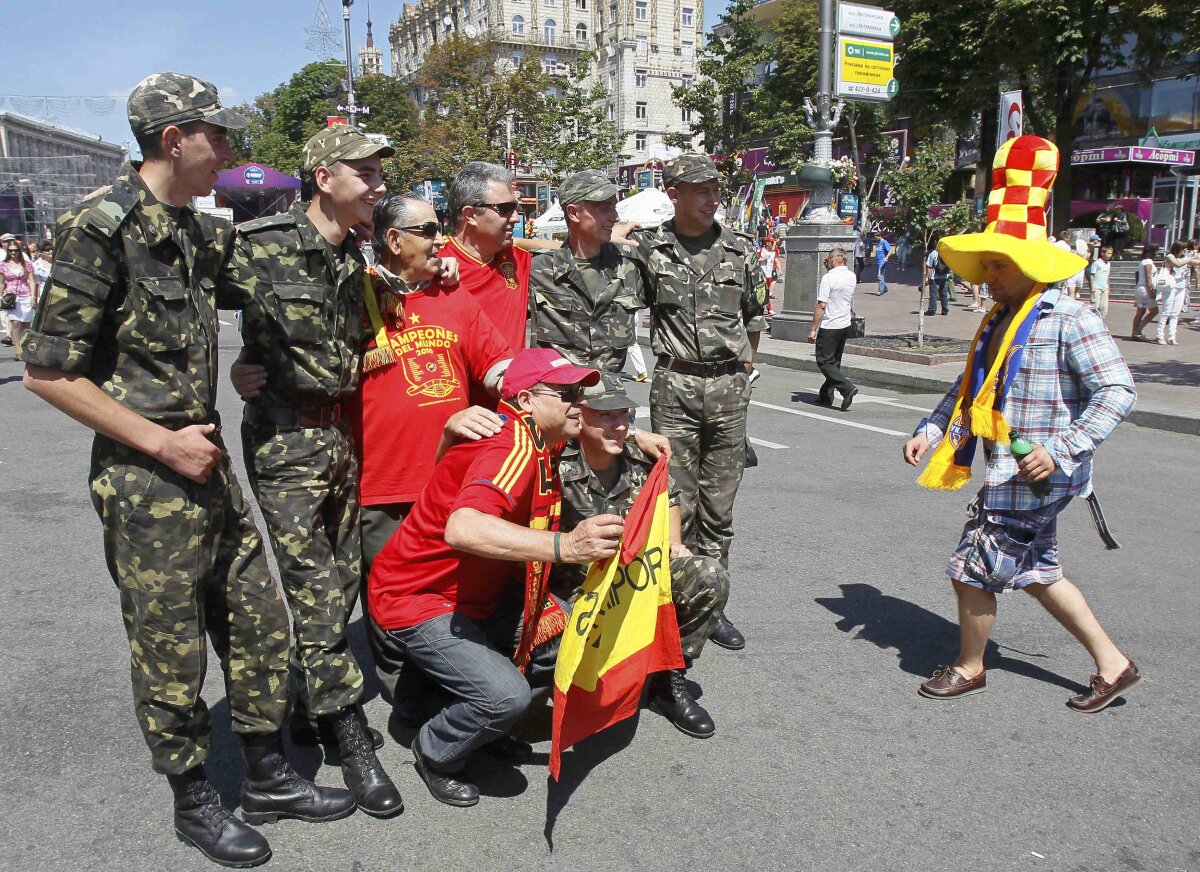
<point>1071,391</point>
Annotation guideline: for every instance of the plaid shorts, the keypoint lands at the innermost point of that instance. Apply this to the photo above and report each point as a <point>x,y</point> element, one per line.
<point>1004,550</point>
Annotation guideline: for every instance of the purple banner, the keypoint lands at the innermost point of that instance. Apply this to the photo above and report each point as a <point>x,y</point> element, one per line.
<point>1135,153</point>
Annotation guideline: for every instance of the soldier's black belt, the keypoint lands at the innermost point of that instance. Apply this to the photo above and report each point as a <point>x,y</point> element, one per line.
<point>304,416</point>
<point>708,370</point>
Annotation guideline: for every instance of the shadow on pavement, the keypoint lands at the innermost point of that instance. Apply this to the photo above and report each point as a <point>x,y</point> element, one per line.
<point>578,763</point>
<point>923,640</point>
<point>1167,372</point>
<point>224,764</point>
<point>9,379</point>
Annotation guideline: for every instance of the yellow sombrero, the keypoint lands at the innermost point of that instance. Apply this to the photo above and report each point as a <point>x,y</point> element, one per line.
<point>1022,173</point>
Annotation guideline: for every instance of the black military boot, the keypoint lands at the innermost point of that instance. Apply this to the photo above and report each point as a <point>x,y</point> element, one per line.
<point>202,822</point>
<point>669,697</point>
<point>725,634</point>
<point>373,790</point>
<point>306,730</point>
<point>274,790</point>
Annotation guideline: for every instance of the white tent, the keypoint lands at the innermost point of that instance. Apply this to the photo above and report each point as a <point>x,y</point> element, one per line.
<point>648,208</point>
<point>551,221</point>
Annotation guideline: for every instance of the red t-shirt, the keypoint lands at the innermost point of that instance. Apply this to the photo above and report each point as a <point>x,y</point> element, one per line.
<point>443,344</point>
<point>417,576</point>
<point>500,286</point>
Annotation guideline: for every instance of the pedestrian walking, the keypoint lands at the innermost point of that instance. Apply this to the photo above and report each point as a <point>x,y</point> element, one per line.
<point>830,326</point>
<point>706,307</point>
<point>883,253</point>
<point>860,255</point>
<point>299,279</point>
<point>1098,274</point>
<point>20,291</point>
<point>937,277</point>
<point>1145,303</point>
<point>1170,299</point>
<point>1065,402</point>
<point>125,341</point>
<point>903,247</point>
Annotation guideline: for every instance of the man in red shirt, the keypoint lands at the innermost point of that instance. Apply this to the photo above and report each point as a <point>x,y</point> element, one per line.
<point>461,589</point>
<point>483,210</point>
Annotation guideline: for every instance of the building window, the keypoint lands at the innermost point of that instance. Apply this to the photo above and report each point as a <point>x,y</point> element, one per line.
<point>686,81</point>
<point>640,9</point>
<point>481,5</point>
<point>581,5</point>
<point>639,141</point>
<point>549,2</point>
<point>612,112</point>
<point>518,28</point>
<point>639,111</point>
<point>687,16</point>
<point>639,78</point>
<point>643,47</point>
<point>687,50</point>
<point>549,64</point>
<point>612,83</point>
<point>550,30</point>
<point>516,56</point>
<point>686,115</point>
<point>581,32</point>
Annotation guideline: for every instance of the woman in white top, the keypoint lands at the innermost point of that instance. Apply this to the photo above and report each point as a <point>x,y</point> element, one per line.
<point>1145,307</point>
<point>1170,299</point>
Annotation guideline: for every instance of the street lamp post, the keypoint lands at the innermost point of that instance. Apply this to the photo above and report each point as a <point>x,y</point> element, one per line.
<point>819,229</point>
<point>346,4</point>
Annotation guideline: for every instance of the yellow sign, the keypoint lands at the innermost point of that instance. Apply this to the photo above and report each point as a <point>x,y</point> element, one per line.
<point>865,69</point>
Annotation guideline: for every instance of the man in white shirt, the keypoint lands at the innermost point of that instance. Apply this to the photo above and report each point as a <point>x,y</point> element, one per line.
<point>831,324</point>
<point>860,255</point>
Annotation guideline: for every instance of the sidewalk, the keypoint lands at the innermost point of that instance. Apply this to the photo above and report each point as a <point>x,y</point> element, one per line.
<point>1167,377</point>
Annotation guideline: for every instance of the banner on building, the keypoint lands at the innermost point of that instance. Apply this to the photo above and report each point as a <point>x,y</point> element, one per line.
<point>1012,116</point>
<point>622,626</point>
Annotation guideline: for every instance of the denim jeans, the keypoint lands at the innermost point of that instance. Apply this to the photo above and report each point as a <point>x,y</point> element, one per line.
<point>883,277</point>
<point>471,661</point>
<point>938,291</point>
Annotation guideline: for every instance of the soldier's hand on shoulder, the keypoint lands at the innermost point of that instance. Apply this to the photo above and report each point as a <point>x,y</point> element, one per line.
<point>653,445</point>
<point>474,423</point>
<point>594,539</point>
<point>248,378</point>
<point>448,277</point>
<point>190,452</point>
<point>621,231</point>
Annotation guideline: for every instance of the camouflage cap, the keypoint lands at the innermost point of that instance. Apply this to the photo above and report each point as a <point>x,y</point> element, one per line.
<point>163,99</point>
<point>587,185</point>
<point>608,395</point>
<point>690,168</point>
<point>341,142</point>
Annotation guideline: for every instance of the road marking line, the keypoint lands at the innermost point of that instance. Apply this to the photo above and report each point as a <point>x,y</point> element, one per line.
<point>853,424</point>
<point>225,323</point>
<point>765,444</point>
<point>888,401</point>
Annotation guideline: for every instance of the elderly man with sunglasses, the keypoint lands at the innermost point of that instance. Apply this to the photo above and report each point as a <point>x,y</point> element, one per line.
<point>462,588</point>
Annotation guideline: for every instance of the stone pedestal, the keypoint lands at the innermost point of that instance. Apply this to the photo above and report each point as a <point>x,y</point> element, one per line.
<point>805,247</point>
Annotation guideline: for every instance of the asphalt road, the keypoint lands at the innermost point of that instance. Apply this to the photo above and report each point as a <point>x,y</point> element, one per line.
<point>825,757</point>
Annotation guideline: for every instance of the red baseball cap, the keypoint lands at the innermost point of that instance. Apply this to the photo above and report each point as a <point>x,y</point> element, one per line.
<point>533,365</point>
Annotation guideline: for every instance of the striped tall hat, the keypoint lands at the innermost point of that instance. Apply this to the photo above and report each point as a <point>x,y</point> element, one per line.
<point>1022,175</point>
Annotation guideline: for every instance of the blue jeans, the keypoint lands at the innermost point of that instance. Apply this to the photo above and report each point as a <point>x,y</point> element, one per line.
<point>883,277</point>
<point>938,291</point>
<point>471,661</point>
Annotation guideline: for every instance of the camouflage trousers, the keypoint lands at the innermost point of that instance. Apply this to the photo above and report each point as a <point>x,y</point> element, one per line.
<point>705,419</point>
<point>306,482</point>
<point>699,589</point>
<point>188,561</point>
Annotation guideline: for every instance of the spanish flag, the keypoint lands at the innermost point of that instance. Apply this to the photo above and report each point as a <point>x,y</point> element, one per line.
<point>622,627</point>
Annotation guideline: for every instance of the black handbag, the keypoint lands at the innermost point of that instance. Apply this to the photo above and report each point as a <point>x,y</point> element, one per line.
<point>8,301</point>
<point>858,327</point>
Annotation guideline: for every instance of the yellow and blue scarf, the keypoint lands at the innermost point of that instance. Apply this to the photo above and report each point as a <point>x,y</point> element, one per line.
<point>979,409</point>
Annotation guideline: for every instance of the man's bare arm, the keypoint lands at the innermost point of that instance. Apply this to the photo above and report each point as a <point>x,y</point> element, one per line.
<point>485,535</point>
<point>526,244</point>
<point>188,451</point>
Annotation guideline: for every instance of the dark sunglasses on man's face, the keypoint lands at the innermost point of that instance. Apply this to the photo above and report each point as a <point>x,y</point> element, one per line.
<point>430,229</point>
<point>571,395</point>
<point>504,210</point>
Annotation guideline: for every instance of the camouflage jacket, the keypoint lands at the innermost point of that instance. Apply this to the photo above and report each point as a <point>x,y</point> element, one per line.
<point>131,301</point>
<point>593,331</point>
<point>585,496</point>
<point>303,308</point>
<point>701,308</point>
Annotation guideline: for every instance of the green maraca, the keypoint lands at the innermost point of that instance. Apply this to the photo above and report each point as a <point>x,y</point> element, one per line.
<point>1022,448</point>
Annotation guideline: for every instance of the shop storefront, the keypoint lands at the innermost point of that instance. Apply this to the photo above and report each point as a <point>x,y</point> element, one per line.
<point>1153,184</point>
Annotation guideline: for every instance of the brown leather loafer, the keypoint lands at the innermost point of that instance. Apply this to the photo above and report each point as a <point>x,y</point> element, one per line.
<point>1101,694</point>
<point>946,683</point>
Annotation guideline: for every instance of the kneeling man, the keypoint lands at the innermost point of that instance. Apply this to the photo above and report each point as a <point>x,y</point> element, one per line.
<point>461,589</point>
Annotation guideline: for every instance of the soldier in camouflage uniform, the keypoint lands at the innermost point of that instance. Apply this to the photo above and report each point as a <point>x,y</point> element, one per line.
<point>300,280</point>
<point>125,341</point>
<point>602,473</point>
<point>586,294</point>
<point>706,315</point>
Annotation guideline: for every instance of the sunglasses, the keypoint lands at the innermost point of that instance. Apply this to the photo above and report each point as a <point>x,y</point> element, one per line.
<point>430,229</point>
<point>504,210</point>
<point>570,395</point>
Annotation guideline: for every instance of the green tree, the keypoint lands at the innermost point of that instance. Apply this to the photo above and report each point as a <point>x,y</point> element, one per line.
<point>573,132</point>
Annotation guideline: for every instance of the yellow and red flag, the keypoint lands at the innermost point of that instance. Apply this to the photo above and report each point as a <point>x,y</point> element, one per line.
<point>622,627</point>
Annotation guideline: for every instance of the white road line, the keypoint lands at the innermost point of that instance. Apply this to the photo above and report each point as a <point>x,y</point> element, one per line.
<point>763,443</point>
<point>888,401</point>
<point>225,323</point>
<point>853,424</point>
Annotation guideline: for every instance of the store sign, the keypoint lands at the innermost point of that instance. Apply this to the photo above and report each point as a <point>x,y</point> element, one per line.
<point>869,21</point>
<point>1135,153</point>
<point>848,205</point>
<point>865,70</point>
<point>254,175</point>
